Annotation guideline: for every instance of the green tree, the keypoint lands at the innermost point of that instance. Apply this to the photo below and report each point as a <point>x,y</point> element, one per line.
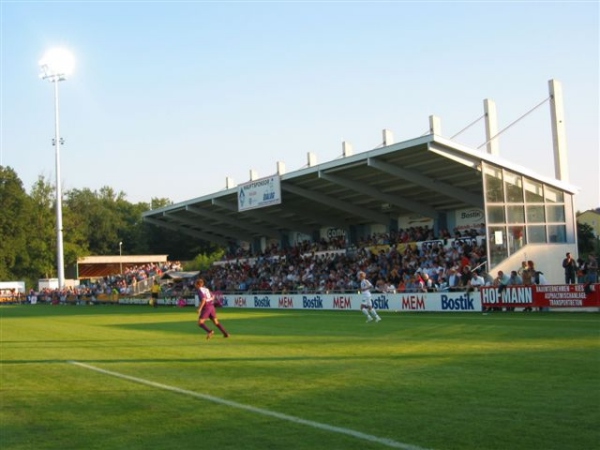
<point>204,261</point>
<point>94,222</point>
<point>178,246</point>
<point>42,231</point>
<point>133,233</point>
<point>586,241</point>
<point>16,211</point>
<point>96,216</point>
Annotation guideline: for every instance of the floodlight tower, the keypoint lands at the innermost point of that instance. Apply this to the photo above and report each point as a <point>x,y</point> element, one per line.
<point>55,66</point>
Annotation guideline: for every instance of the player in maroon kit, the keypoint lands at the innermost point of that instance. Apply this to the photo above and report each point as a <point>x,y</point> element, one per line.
<point>207,310</point>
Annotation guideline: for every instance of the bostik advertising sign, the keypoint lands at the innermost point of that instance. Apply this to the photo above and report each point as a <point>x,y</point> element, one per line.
<point>401,302</point>
<point>259,193</point>
<point>469,219</point>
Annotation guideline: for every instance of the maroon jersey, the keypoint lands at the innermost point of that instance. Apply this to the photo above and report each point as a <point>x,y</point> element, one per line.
<point>206,297</point>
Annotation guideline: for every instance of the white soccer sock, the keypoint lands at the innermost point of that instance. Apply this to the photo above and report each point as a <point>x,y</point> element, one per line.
<point>365,312</point>
<point>374,314</point>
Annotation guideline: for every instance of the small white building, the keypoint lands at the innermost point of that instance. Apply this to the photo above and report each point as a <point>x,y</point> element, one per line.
<point>52,283</point>
<point>18,286</point>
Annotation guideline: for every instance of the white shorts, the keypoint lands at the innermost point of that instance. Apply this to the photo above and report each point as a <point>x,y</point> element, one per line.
<point>366,300</point>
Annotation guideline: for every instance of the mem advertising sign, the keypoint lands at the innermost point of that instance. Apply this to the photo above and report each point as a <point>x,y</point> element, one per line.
<point>259,193</point>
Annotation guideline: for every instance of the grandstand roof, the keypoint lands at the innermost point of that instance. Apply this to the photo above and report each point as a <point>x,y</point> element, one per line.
<point>427,176</point>
<point>124,259</point>
<point>173,275</point>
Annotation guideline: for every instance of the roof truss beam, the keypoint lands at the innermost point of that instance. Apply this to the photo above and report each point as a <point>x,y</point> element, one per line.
<point>322,220</point>
<point>236,222</point>
<point>280,223</point>
<point>188,231</point>
<point>402,202</point>
<point>211,228</point>
<point>365,213</point>
<point>429,183</point>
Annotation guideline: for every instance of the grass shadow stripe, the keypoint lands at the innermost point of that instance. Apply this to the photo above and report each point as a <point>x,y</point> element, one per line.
<point>322,426</point>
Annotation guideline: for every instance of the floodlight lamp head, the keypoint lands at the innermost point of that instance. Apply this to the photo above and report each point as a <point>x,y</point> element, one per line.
<point>57,64</point>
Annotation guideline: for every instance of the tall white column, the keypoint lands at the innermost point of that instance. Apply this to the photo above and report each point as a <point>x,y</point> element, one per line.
<point>491,126</point>
<point>347,149</point>
<point>388,138</point>
<point>60,260</point>
<point>559,139</point>
<point>435,125</point>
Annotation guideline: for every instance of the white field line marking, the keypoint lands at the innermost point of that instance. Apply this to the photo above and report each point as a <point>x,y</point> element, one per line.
<point>265,412</point>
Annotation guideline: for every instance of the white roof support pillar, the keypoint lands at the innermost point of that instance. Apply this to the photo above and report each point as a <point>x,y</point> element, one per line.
<point>435,125</point>
<point>491,127</point>
<point>388,138</point>
<point>559,139</point>
<point>280,167</point>
<point>253,175</point>
<point>347,149</point>
<point>311,159</point>
<point>229,183</point>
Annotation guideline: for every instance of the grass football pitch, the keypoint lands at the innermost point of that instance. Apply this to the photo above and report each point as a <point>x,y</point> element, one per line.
<point>133,377</point>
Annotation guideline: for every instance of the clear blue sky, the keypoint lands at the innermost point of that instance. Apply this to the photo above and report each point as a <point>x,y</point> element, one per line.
<point>170,98</point>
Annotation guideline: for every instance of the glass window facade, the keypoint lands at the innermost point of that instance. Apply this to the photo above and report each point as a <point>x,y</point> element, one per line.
<point>521,211</point>
<point>536,234</point>
<point>534,191</point>
<point>536,214</point>
<point>516,214</point>
<point>494,192</point>
<point>514,187</point>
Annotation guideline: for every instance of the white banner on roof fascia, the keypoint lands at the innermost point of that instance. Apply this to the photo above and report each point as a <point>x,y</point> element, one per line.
<point>470,219</point>
<point>259,193</point>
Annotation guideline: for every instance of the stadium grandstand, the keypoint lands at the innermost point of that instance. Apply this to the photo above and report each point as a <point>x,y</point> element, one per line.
<point>94,267</point>
<point>429,182</point>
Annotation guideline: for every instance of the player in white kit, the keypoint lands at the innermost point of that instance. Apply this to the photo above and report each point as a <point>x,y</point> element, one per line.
<point>366,305</point>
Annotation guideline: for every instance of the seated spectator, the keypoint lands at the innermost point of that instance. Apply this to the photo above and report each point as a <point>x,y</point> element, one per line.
<point>475,283</point>
<point>454,280</point>
<point>442,284</point>
<point>515,279</point>
<point>411,284</point>
<point>427,282</point>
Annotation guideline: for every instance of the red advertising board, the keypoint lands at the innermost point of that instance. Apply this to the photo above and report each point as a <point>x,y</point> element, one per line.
<point>545,296</point>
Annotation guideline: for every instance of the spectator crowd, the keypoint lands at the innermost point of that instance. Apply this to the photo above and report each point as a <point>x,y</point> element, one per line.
<point>411,260</point>
<point>111,285</point>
